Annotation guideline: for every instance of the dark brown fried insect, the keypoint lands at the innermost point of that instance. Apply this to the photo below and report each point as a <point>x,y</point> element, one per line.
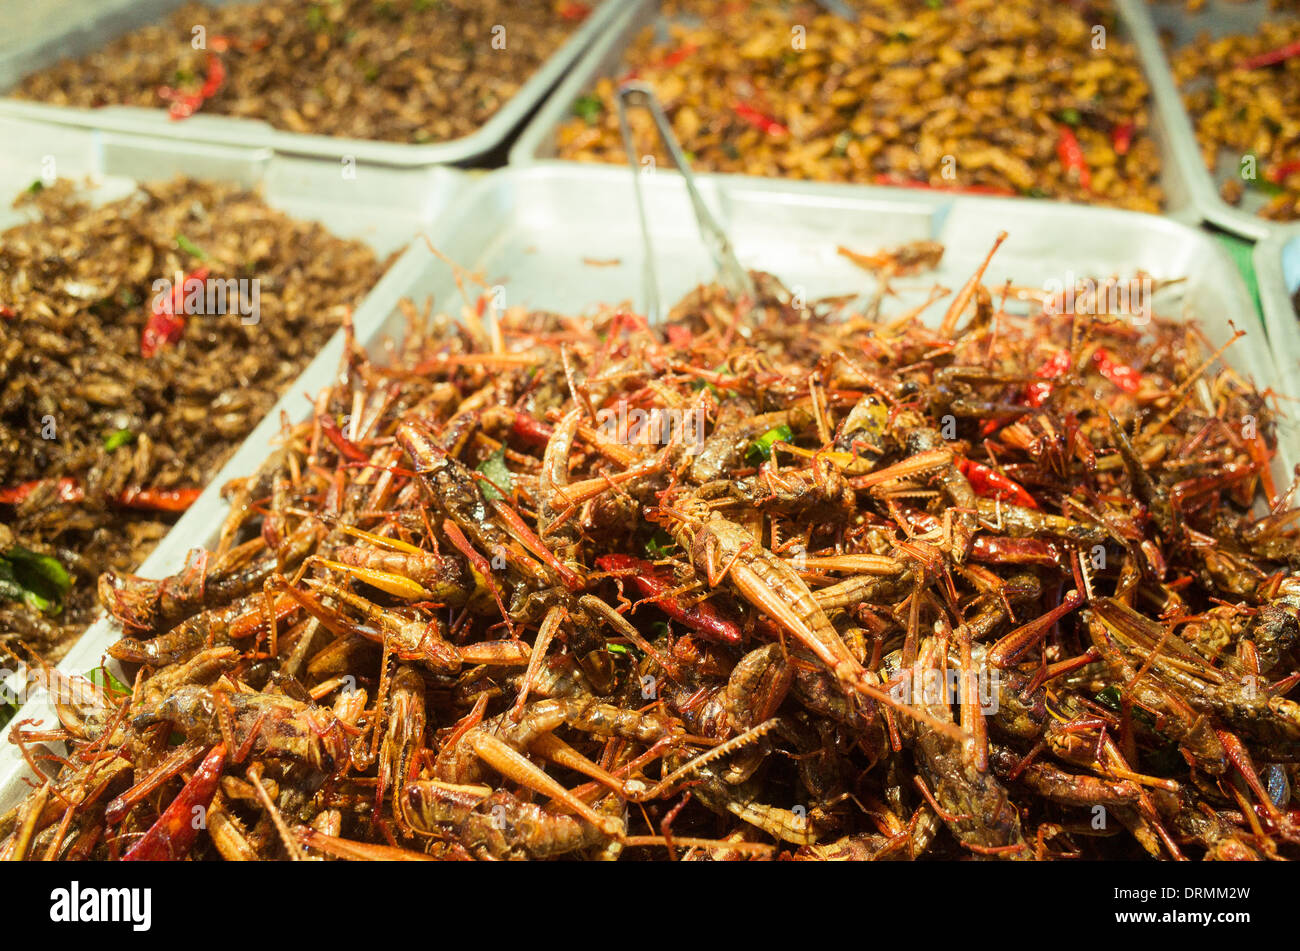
<point>101,445</point>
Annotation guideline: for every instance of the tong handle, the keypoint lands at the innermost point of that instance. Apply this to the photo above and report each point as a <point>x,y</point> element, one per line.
<point>731,275</point>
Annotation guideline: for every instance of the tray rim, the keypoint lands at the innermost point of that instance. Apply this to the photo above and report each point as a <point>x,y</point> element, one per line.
<point>1281,322</point>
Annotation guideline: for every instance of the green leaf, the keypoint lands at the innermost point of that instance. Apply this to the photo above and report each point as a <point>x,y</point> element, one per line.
<point>494,467</point>
<point>38,579</point>
<point>103,679</point>
<point>588,108</point>
<point>616,648</point>
<point>1070,116</point>
<point>118,439</point>
<point>761,448</point>
<point>36,187</point>
<point>1109,697</point>
<point>660,545</point>
<point>189,247</point>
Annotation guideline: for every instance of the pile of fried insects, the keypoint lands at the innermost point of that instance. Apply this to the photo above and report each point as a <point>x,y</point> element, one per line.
<point>1243,92</point>
<point>908,591</point>
<point>116,404</point>
<point>410,71</point>
<point>1014,87</point>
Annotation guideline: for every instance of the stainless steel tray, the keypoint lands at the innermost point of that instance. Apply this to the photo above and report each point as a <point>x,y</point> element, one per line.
<point>1218,18</point>
<point>383,207</point>
<point>605,58</point>
<point>1277,268</point>
<point>539,232</point>
<point>104,20</point>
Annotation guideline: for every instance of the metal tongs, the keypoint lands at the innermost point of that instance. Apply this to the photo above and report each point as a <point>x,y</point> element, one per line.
<point>734,278</point>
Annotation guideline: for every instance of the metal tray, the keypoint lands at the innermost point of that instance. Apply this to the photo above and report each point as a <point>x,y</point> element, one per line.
<point>104,20</point>
<point>538,234</point>
<point>383,207</point>
<point>1218,18</point>
<point>1277,266</point>
<point>605,58</point>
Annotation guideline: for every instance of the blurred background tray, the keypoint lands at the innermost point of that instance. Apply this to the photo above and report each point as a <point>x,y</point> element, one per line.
<point>78,27</point>
<point>1172,20</point>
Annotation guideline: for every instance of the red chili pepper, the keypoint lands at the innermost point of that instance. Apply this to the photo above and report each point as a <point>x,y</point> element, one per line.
<point>1037,393</point>
<point>158,500</point>
<point>531,430</point>
<point>1122,375</point>
<point>574,11</point>
<point>1070,152</point>
<point>675,58</point>
<point>6,312</point>
<point>167,322</point>
<point>347,448</point>
<point>1121,138</point>
<point>678,56</point>
<point>69,491</point>
<point>216,76</point>
<point>172,836</point>
<point>655,582</point>
<point>1278,173</point>
<point>184,105</point>
<point>990,482</point>
<point>897,181</point>
<point>759,120</point>
<point>679,335</point>
<point>1272,57</point>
